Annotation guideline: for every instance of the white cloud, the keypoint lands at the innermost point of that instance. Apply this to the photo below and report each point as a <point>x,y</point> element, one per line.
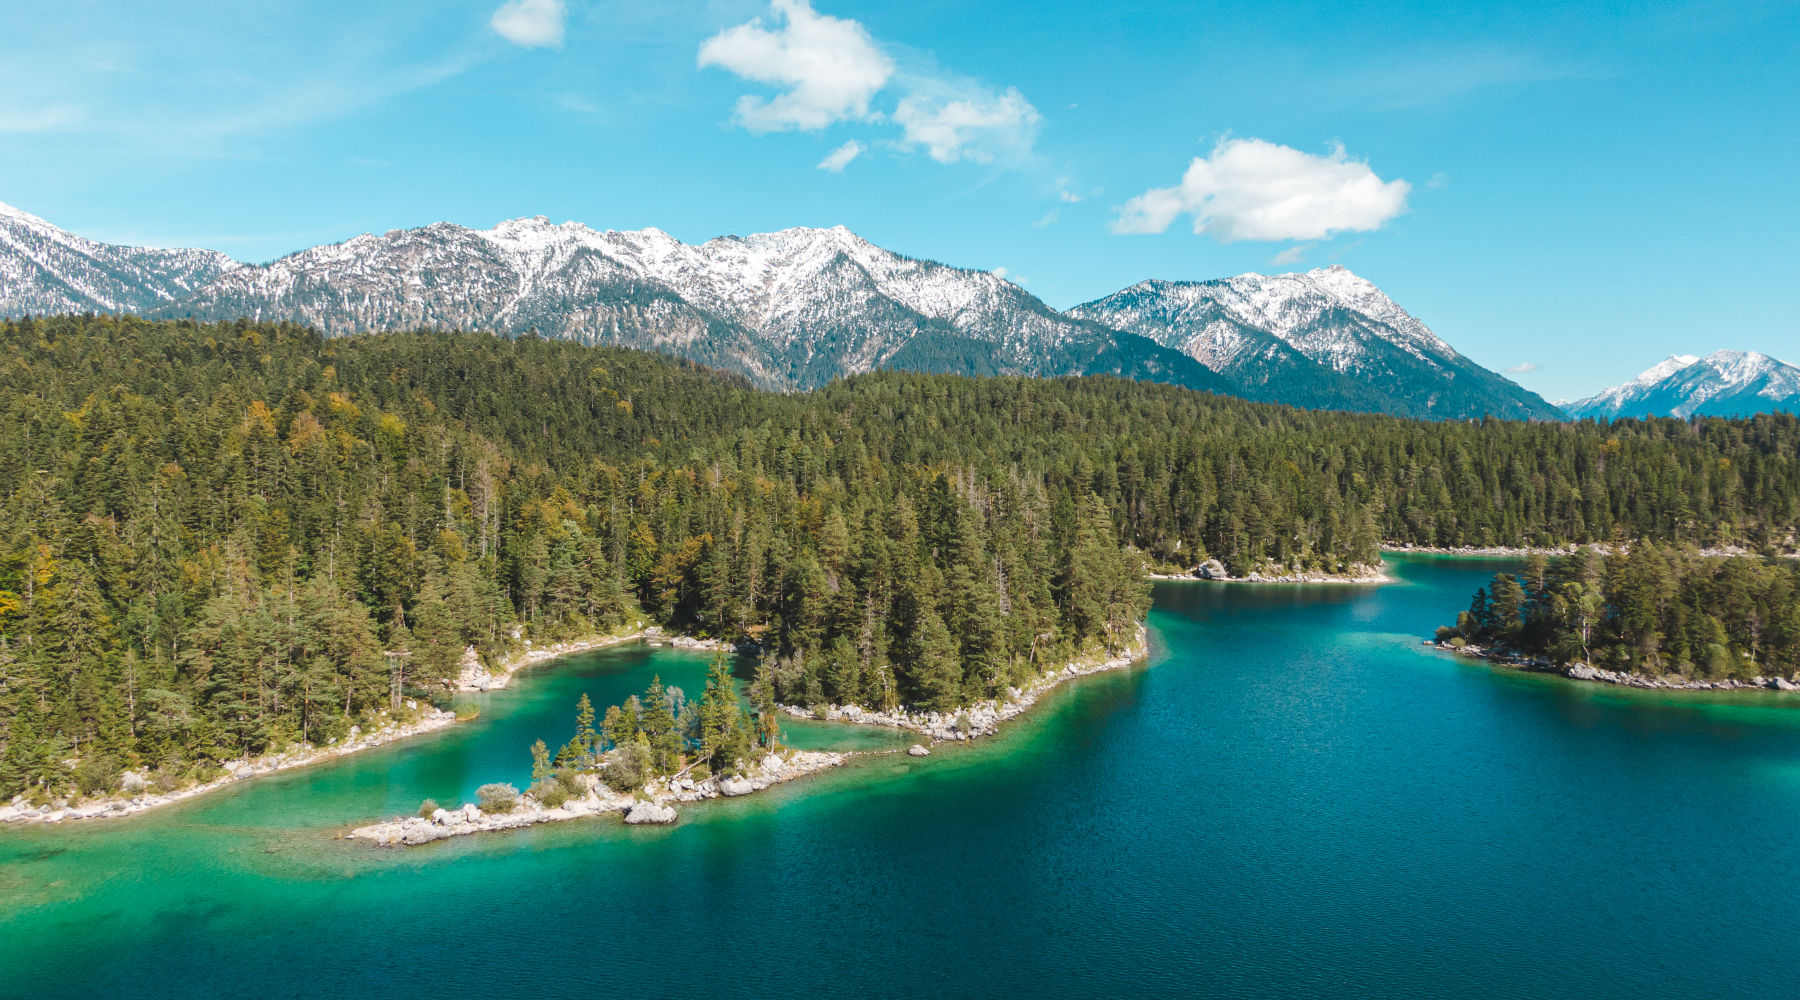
<point>1250,189</point>
<point>1521,368</point>
<point>1049,219</point>
<point>839,158</point>
<point>1292,255</point>
<point>1064,191</point>
<point>1004,275</point>
<point>532,23</point>
<point>967,122</point>
<point>830,69</point>
<point>829,66</point>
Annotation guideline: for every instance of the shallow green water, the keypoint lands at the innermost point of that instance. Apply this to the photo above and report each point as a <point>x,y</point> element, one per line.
<point>1294,798</point>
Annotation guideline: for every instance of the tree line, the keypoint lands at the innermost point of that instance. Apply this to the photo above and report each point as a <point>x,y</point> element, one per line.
<point>1656,610</point>
<point>222,537</point>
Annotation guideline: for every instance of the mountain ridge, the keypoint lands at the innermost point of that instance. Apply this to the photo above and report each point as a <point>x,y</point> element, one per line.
<point>1725,383</point>
<point>790,309</point>
<point>1326,336</point>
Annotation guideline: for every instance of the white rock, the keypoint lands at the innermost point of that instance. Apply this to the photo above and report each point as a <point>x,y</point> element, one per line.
<point>773,762</point>
<point>650,812</point>
<point>917,750</point>
<point>736,786</point>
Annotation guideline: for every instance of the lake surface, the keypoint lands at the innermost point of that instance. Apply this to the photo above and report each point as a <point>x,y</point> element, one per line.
<point>1292,798</point>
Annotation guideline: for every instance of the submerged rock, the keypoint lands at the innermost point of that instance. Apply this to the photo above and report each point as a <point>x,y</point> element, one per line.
<point>917,750</point>
<point>649,812</point>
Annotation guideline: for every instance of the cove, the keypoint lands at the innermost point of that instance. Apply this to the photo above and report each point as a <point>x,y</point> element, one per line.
<point>1292,798</point>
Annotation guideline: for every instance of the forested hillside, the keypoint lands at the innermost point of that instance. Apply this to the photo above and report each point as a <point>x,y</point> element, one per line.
<point>212,534</point>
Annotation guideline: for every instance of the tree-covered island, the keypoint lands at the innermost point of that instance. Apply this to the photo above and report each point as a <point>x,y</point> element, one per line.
<point>1656,612</point>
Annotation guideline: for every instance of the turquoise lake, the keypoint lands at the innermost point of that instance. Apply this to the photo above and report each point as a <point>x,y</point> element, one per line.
<point>1292,797</point>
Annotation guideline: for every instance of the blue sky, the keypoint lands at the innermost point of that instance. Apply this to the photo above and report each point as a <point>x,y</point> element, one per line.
<point>1568,191</point>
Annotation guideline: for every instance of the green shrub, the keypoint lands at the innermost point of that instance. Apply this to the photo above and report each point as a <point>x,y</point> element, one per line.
<point>549,792</point>
<point>1458,642</point>
<point>427,807</point>
<point>96,774</point>
<point>626,767</point>
<point>497,798</point>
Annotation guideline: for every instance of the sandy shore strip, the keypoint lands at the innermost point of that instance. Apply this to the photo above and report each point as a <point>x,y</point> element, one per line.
<point>140,798</point>
<point>479,676</point>
<point>137,796</point>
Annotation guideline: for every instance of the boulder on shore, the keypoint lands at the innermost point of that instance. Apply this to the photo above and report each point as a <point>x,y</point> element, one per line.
<point>736,786</point>
<point>650,812</point>
<point>1212,569</point>
<point>917,750</point>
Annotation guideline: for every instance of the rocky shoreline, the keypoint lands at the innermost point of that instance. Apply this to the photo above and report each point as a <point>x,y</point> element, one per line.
<point>1213,571</point>
<point>1482,550</point>
<point>478,676</point>
<point>654,804</point>
<point>984,717</point>
<point>1520,551</point>
<point>140,798</point>
<point>649,805</point>
<point>1598,675</point>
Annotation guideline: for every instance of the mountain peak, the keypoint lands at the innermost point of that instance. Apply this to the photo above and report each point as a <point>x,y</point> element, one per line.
<point>1324,338</point>
<point>9,212</point>
<point>1724,383</point>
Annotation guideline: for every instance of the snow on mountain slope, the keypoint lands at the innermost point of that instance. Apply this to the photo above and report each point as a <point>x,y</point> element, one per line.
<point>791,309</point>
<point>1722,384</point>
<point>46,270</point>
<point>1609,401</point>
<point>1325,338</point>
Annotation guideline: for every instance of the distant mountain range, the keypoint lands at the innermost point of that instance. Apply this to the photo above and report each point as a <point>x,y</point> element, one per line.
<point>790,310</point>
<point>1722,384</point>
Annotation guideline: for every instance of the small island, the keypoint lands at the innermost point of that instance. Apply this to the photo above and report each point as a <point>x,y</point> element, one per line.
<point>1649,616</point>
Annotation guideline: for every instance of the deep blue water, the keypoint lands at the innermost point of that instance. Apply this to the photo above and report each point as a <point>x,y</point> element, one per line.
<point>1293,798</point>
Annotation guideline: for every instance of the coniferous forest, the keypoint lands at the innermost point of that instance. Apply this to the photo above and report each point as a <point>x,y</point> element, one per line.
<point>1654,610</point>
<point>216,536</point>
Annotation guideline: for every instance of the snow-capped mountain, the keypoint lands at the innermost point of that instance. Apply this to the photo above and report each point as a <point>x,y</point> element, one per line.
<point>46,270</point>
<point>791,309</point>
<point>1722,384</point>
<point>1326,338</point>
